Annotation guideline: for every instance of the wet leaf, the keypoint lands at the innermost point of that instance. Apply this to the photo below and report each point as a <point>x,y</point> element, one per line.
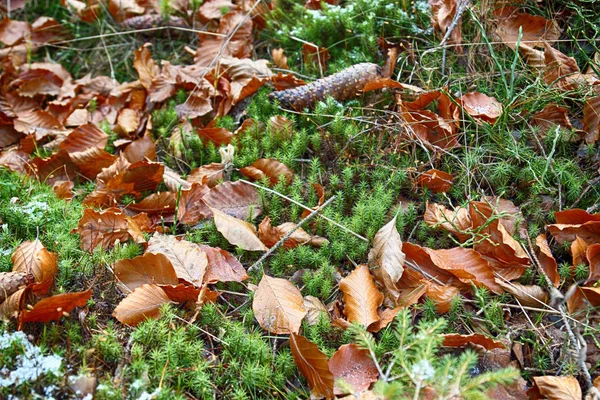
<point>143,303</point>
<point>278,306</point>
<point>55,307</point>
<point>313,365</point>
<point>355,366</point>
<point>361,296</point>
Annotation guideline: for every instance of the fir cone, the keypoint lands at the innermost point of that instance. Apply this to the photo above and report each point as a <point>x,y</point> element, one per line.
<point>343,85</point>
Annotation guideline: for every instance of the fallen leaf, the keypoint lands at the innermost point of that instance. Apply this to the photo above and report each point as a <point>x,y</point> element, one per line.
<point>529,296</point>
<point>556,388</point>
<point>270,168</point>
<point>546,259</point>
<point>191,208</point>
<point>92,161</point>
<point>238,232</point>
<point>314,310</point>
<point>592,295</point>
<point>209,174</point>
<point>12,32</point>
<point>222,266</point>
<point>10,282</point>
<point>480,107</point>
<point>188,259</point>
<point>551,117</point>
<point>84,137</point>
<point>145,66</point>
<point>558,67</point>
<point>278,306</point>
<point>143,303</point>
<point>573,224</point>
<point>279,58</point>
<point>591,120</point>
<point>55,307</point>
<point>361,296</point>
<point>593,257</point>
<point>457,222</point>
<point>63,189</point>
<point>388,256</point>
<point>270,235</point>
<point>104,228</point>
<point>140,150</point>
<point>11,307</point>
<point>238,199</point>
<point>144,269</point>
<point>157,203</point>
<point>442,14</point>
<point>535,30</point>
<point>355,366</point>
<point>441,295</point>
<point>313,365</point>
<point>435,180</point>
<point>32,258</point>
<point>456,340</point>
<point>321,193</point>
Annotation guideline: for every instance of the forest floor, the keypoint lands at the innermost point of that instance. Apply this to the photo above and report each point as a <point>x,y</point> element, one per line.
<point>417,219</point>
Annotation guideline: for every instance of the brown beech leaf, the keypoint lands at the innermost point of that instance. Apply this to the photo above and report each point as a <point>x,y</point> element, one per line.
<point>36,120</point>
<point>32,258</point>
<point>10,282</point>
<point>147,268</point>
<point>441,295</point>
<point>57,167</point>
<point>575,223</point>
<point>456,340</point>
<point>270,168</point>
<point>550,117</point>
<point>578,252</point>
<point>555,388</point>
<point>388,256</point>
<point>529,296</point>
<point>535,29</point>
<point>55,307</point>
<point>355,366</point>
<point>84,137</point>
<point>592,295</point>
<point>270,235</point>
<point>314,310</point>
<point>238,232</point>
<point>480,107</point>
<point>593,257</point>
<point>321,193</point>
<point>145,66</point>
<point>63,189</point>
<point>435,180</point>
<point>219,136</point>
<point>11,307</point>
<point>209,174</point>
<point>13,32</point>
<point>188,259</point>
<point>141,149</point>
<point>141,304</point>
<point>156,203</point>
<point>191,208</point>
<point>173,181</point>
<point>442,14</point>
<point>194,106</point>
<point>279,58</point>
<point>180,293</point>
<point>591,120</point>
<point>361,296</point>
<point>278,306</point>
<point>547,261</point>
<point>104,228</point>
<point>14,160</point>
<point>457,222</point>
<point>558,67</point>
<point>92,161</point>
<point>238,199</point>
<point>313,365</point>
<point>222,266</point>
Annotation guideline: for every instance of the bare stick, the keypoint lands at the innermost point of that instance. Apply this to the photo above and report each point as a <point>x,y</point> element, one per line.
<point>460,9</point>
<point>287,236</point>
<point>305,207</point>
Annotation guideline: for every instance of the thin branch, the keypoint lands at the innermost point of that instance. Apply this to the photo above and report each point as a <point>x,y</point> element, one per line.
<point>287,236</point>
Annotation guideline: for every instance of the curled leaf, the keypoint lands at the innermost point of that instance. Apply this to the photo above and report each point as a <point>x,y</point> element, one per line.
<point>313,365</point>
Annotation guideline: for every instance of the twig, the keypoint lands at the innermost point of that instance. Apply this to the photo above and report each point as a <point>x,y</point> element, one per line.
<point>287,236</point>
<point>305,207</point>
<point>555,294</point>
<point>460,9</point>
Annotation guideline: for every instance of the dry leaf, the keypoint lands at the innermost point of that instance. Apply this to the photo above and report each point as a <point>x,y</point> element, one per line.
<point>361,296</point>
<point>191,208</point>
<point>143,303</point>
<point>480,107</point>
<point>591,120</point>
<point>388,256</point>
<point>237,232</point>
<point>314,310</point>
<point>529,296</point>
<point>209,174</point>
<point>556,388</point>
<point>546,259</point>
<point>270,168</point>
<point>55,307</point>
<point>222,266</point>
<point>456,340</point>
<point>535,29</point>
<point>10,282</point>
<point>11,307</point>
<point>313,365</point>
<point>278,306</point>
<point>457,222</point>
<point>550,117</point>
<point>237,199</point>
<point>279,58</point>
<point>593,257</point>
<point>145,66</point>
<point>144,269</point>
<point>441,295</point>
<point>442,14</point>
<point>104,229</point>
<point>188,259</point>
<point>355,366</point>
<point>32,258</point>
<point>270,235</point>
<point>435,180</point>
<point>84,137</point>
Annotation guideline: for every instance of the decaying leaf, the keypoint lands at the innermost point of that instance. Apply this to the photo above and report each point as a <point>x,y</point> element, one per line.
<point>270,168</point>
<point>361,296</point>
<point>435,180</point>
<point>270,235</point>
<point>188,259</point>
<point>388,256</point>
<point>556,388</point>
<point>237,232</point>
<point>313,365</point>
<point>355,366</point>
<point>32,258</point>
<point>144,269</point>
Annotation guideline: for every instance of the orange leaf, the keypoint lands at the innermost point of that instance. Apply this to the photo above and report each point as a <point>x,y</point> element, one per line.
<point>222,266</point>
<point>558,67</point>
<point>278,306</point>
<point>32,258</point>
<point>480,107</point>
<point>355,366</point>
<point>145,66</point>
<point>313,365</point>
<point>270,235</point>
<point>550,117</point>
<point>147,268</point>
<point>11,307</point>
<point>63,189</point>
<point>143,303</point>
<point>238,232</point>
<point>270,168</point>
<point>156,203</point>
<point>456,340</point>
<point>442,14</point>
<point>104,228</point>
<point>188,259</point>
<point>191,208</point>
<point>592,294</point>
<point>571,224</point>
<point>547,261</point>
<point>591,119</point>
<point>209,174</point>
<point>535,30</point>
<point>556,388</point>
<point>279,58</point>
<point>441,295</point>
<point>593,257</point>
<point>530,296</point>
<point>141,149</point>
<point>13,32</point>
<point>321,193</point>
<point>435,180</point>
<point>457,222</point>
<point>84,137</point>
<point>55,307</point>
<point>361,296</point>
<point>10,282</point>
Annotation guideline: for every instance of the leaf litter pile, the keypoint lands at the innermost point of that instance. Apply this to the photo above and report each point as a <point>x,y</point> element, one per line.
<point>188,164</point>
